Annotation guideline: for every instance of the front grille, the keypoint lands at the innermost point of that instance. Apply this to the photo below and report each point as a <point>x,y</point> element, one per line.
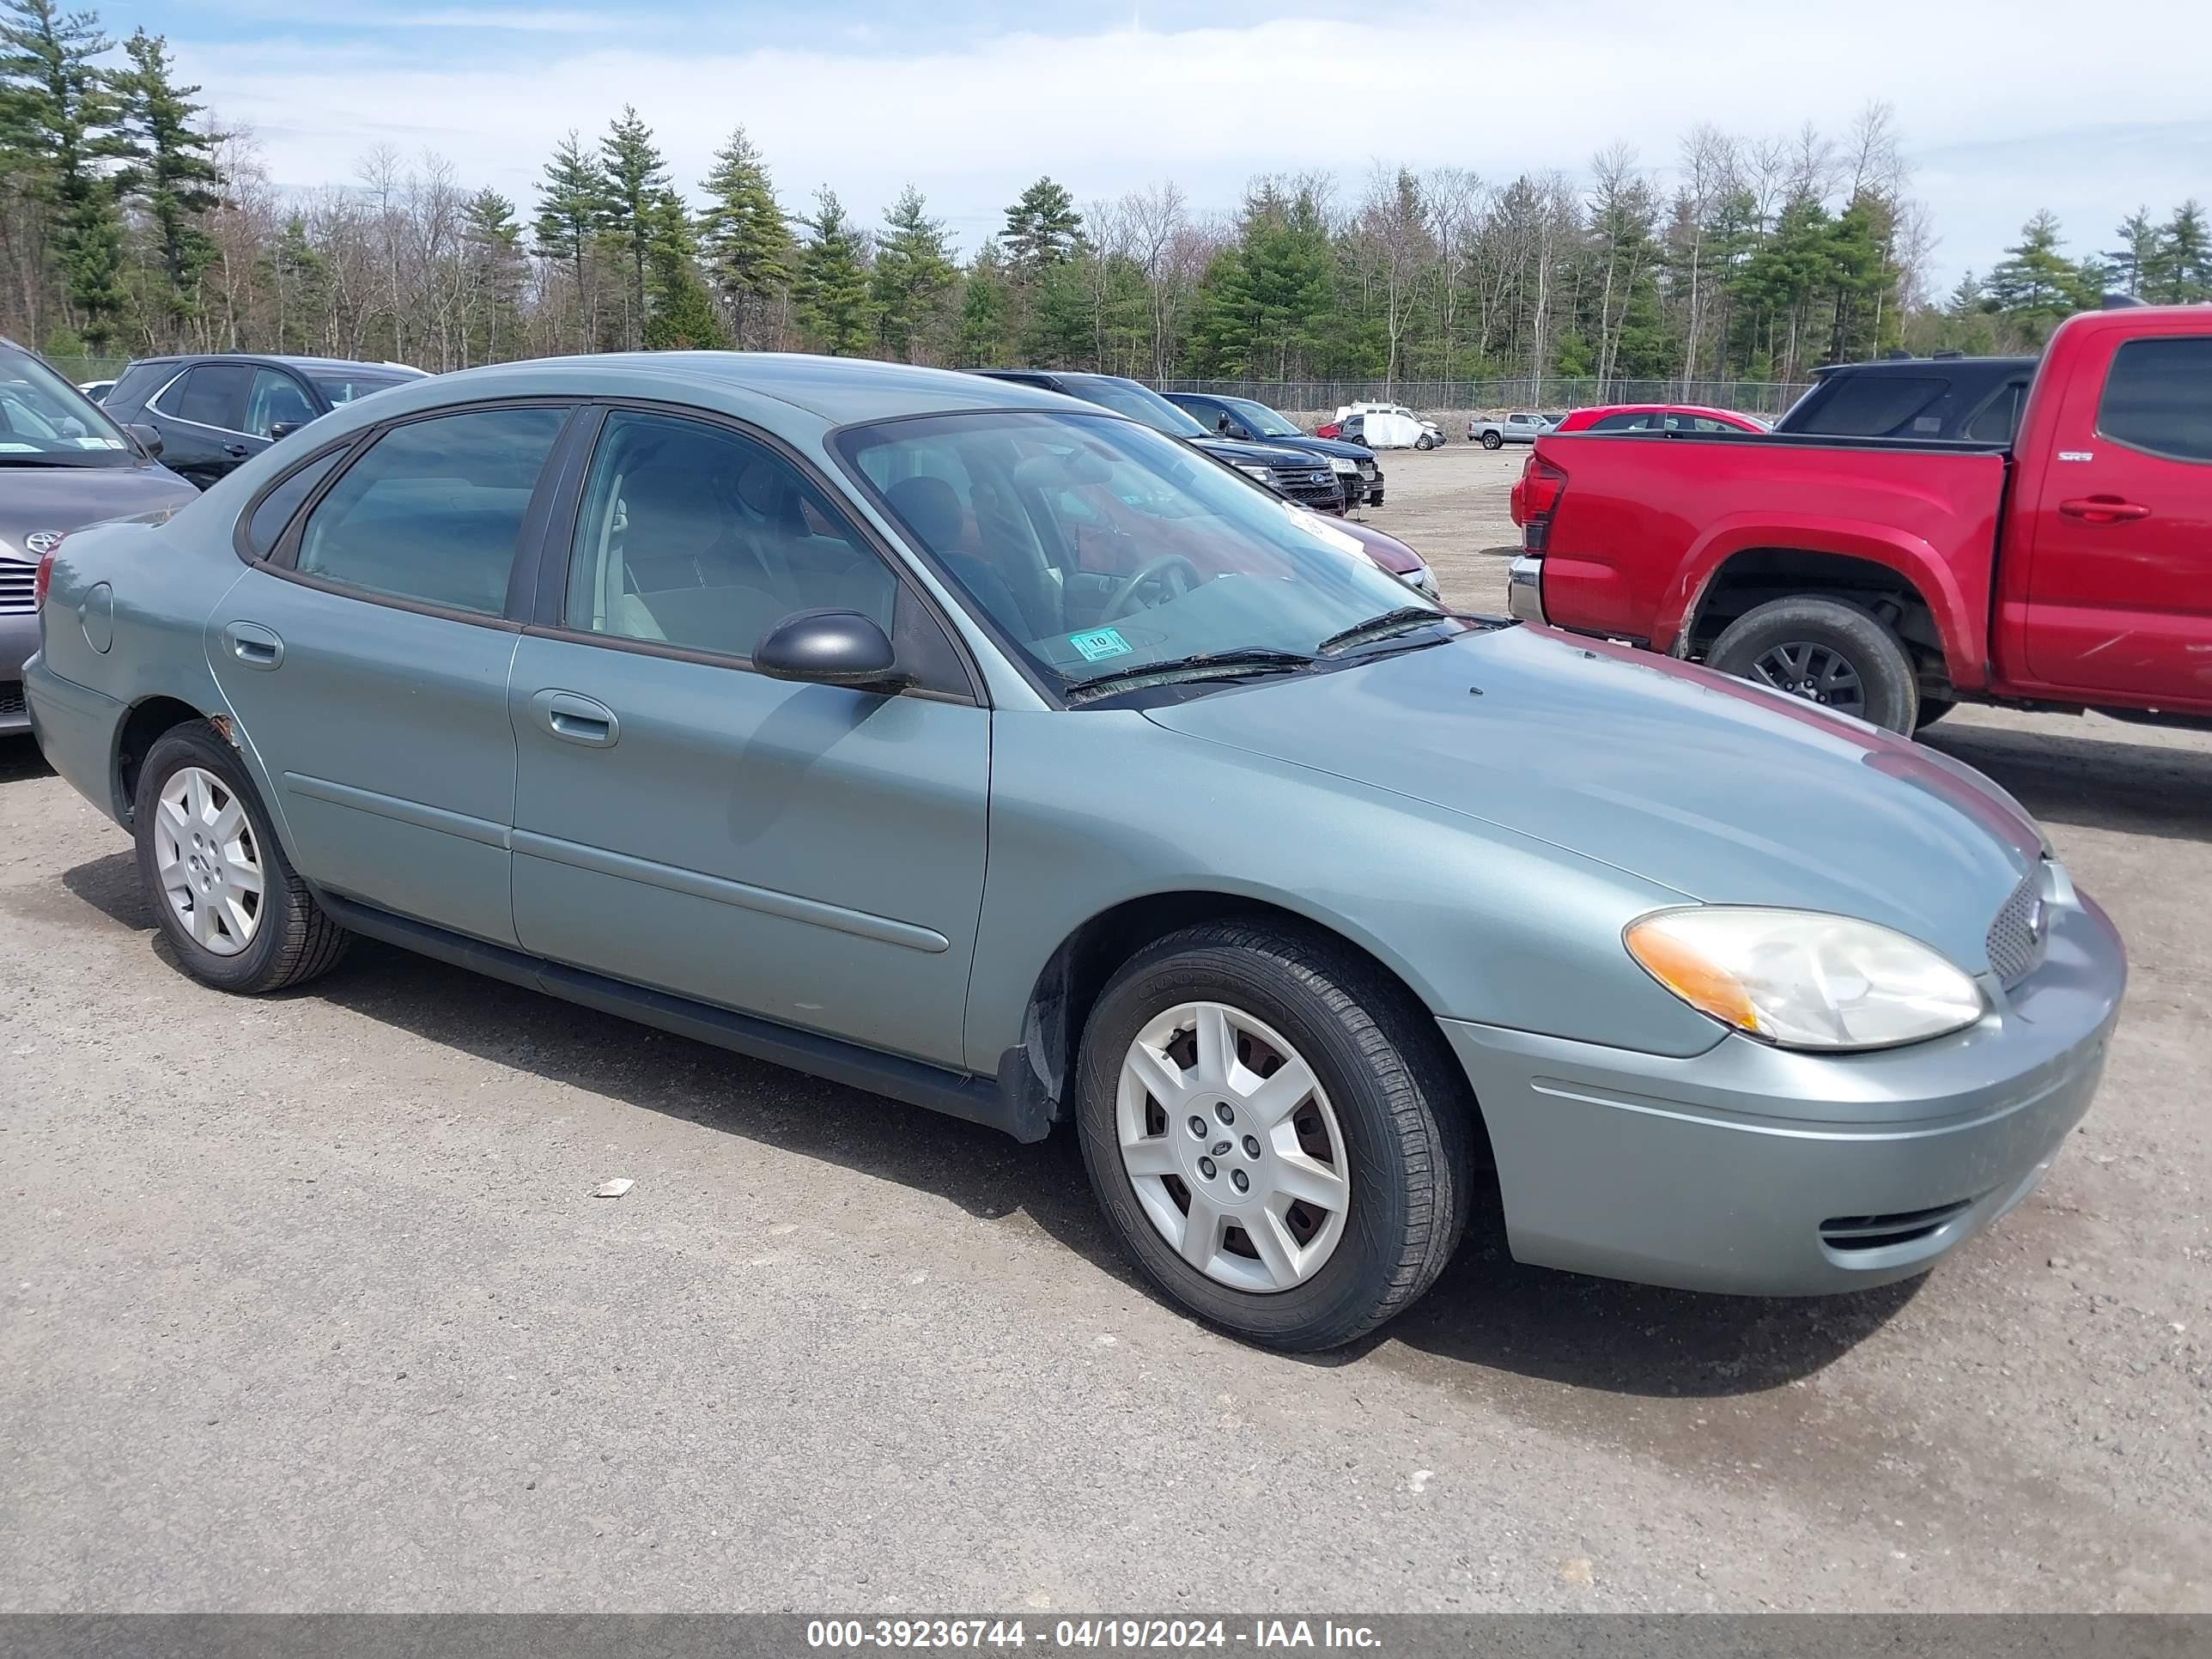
<point>15,580</point>
<point>2016,938</point>
<point>11,700</point>
<point>1847,1233</point>
<point>1312,489</point>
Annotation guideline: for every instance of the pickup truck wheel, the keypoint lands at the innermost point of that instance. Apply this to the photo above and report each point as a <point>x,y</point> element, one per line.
<point>1274,1133</point>
<point>232,907</point>
<point>1825,652</point>
<point>1492,440</point>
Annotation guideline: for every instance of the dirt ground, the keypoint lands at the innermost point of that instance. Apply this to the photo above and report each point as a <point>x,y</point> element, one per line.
<point>308,1305</point>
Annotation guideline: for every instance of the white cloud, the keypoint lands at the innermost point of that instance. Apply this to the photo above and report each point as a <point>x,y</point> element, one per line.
<point>1990,93</point>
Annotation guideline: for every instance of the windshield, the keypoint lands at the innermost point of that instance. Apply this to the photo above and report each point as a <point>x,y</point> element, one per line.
<point>344,388</point>
<point>47,422</point>
<point>1139,404</point>
<point>1096,547</point>
<point>1262,420</point>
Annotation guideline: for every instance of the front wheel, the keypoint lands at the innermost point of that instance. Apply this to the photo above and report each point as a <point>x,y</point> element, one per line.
<point>1275,1136</point>
<point>1492,440</point>
<point>234,910</point>
<point>1826,651</point>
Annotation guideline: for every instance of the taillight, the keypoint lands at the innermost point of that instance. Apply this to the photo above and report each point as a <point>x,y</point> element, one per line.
<point>1542,483</point>
<point>44,579</point>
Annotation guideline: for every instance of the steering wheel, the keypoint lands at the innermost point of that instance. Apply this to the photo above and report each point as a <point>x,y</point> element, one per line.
<point>1173,571</point>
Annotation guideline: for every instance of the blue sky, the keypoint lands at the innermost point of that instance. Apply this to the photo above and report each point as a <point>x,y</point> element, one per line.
<point>2004,108</point>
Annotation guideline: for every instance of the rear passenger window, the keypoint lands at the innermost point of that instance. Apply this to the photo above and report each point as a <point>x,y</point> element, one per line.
<point>2159,398</point>
<point>214,394</point>
<point>431,512</point>
<point>267,525</point>
<point>696,536</point>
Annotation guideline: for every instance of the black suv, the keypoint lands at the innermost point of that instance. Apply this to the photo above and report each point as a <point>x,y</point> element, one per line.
<point>1976,399</point>
<point>1306,478</point>
<point>1255,423</point>
<point>213,412</point>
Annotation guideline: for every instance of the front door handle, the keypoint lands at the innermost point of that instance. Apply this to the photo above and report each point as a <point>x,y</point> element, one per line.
<point>235,449</point>
<point>252,644</point>
<point>2103,509</point>
<point>575,718</point>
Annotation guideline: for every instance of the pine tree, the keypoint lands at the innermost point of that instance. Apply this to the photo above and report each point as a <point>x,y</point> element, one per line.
<point>830,294</point>
<point>572,210</point>
<point>171,169</point>
<point>983,338</point>
<point>58,113</point>
<point>683,316</point>
<point>745,239</point>
<point>638,195</point>
<point>2137,257</point>
<point>913,269</point>
<point>496,265</point>
<point>1042,229</point>
<point>2035,285</point>
<point>2181,272</point>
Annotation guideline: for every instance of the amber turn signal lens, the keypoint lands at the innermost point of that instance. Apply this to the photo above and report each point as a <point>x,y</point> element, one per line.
<point>1702,984</point>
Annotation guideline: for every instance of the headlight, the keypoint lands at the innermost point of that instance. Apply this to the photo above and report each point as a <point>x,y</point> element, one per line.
<point>1804,980</point>
<point>1263,474</point>
<point>1343,465</point>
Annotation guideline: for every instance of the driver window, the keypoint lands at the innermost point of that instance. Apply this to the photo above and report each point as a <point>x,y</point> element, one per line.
<point>696,536</point>
<point>275,400</point>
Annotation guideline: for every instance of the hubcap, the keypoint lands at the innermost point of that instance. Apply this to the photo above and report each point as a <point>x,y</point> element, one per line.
<point>207,860</point>
<point>1815,673</point>
<point>1232,1148</point>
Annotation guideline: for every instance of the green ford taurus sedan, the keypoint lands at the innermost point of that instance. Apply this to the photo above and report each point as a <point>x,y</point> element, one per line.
<point>990,751</point>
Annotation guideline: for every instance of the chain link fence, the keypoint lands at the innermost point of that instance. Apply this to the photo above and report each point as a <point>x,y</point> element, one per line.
<point>1535,394</point>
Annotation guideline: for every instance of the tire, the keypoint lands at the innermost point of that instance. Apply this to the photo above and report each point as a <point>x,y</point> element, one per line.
<point>1933,709</point>
<point>1492,441</point>
<point>1763,645</point>
<point>1389,1106</point>
<point>290,940</point>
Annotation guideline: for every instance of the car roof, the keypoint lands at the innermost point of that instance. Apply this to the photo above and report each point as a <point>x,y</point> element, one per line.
<point>1991,366</point>
<point>836,391</point>
<point>403,370</point>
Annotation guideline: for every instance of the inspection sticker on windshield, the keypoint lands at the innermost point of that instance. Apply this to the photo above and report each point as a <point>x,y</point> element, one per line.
<point>1100,643</point>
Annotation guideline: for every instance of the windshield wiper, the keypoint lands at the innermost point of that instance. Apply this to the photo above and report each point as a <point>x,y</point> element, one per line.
<point>1390,622</point>
<point>1245,659</point>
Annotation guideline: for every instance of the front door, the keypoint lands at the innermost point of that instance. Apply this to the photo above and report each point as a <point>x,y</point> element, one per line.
<point>2120,578</point>
<point>367,667</point>
<point>807,854</point>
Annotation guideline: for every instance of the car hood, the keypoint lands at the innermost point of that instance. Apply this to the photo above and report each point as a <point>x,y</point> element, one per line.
<point>1722,792</point>
<point>1393,554</point>
<point>1238,453</point>
<point>56,500</point>
<point>1324,446</point>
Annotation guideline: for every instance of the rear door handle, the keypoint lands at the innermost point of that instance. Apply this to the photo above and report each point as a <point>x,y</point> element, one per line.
<point>252,644</point>
<point>2103,509</point>
<point>575,718</point>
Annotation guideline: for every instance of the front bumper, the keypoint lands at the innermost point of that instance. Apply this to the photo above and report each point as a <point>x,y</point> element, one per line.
<point>1763,1171</point>
<point>1524,589</point>
<point>19,638</point>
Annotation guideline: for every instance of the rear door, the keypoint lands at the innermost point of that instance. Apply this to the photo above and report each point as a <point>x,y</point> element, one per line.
<point>201,416</point>
<point>367,661</point>
<point>2120,577</point>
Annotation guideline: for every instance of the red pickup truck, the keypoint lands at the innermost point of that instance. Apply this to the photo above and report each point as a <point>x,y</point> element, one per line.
<point>1892,578</point>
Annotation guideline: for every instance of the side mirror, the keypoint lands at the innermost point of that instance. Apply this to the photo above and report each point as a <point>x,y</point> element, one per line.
<point>148,440</point>
<point>278,430</point>
<point>830,647</point>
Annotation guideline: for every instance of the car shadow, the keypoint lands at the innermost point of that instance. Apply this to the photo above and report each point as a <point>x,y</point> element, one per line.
<point>19,758</point>
<point>1486,1312</point>
<point>2099,779</point>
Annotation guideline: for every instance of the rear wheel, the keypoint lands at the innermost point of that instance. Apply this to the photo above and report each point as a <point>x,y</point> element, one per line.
<point>1273,1135</point>
<point>236,912</point>
<point>1492,441</point>
<point>1826,651</point>
<point>1933,709</point>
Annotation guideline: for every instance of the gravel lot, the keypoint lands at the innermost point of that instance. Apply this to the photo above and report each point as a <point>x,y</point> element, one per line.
<point>307,1306</point>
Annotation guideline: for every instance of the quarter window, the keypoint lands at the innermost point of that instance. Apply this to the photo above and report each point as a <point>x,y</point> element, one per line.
<point>696,536</point>
<point>276,508</point>
<point>432,512</point>
<point>2159,398</point>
